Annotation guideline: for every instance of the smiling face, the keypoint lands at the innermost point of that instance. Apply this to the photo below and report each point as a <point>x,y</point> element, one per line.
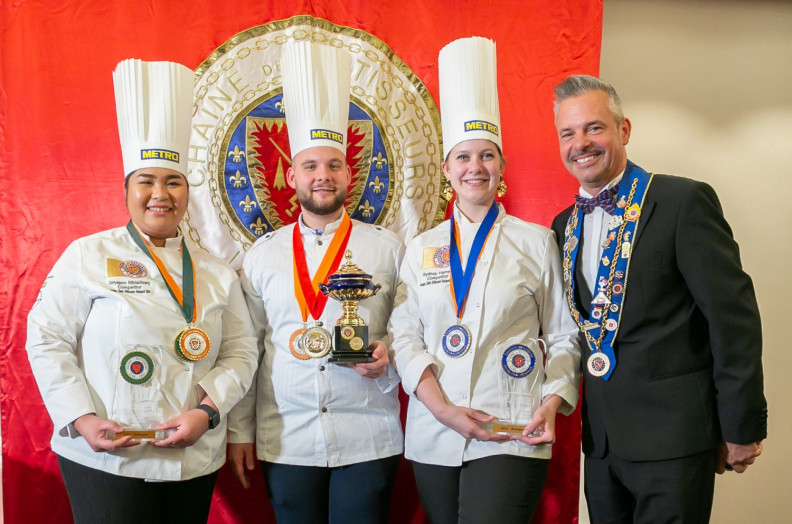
<point>474,168</point>
<point>320,176</point>
<point>592,141</point>
<point>157,200</point>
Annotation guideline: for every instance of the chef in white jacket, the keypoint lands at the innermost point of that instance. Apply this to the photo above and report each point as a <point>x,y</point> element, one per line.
<point>327,434</point>
<point>483,342</point>
<point>139,344</point>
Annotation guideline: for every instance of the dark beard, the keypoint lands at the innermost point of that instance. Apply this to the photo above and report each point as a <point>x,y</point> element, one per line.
<point>324,209</point>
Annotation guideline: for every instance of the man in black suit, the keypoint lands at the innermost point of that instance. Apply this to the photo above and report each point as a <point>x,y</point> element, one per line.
<point>673,385</point>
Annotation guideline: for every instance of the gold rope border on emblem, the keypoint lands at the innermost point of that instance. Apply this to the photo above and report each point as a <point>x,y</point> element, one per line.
<point>373,41</point>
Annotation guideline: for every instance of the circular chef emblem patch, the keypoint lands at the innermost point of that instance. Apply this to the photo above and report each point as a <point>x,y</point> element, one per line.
<point>518,361</point>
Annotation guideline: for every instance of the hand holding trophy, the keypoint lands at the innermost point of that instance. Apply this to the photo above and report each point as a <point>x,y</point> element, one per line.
<point>349,285</point>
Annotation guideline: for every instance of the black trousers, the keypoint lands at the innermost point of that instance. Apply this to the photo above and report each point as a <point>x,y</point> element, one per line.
<point>502,488</point>
<point>659,491</point>
<point>354,494</point>
<point>101,498</point>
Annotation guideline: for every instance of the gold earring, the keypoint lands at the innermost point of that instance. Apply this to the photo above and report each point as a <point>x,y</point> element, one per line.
<point>446,191</point>
<point>501,190</point>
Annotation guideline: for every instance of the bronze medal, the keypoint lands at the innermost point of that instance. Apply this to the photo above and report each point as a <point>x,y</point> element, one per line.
<point>295,345</point>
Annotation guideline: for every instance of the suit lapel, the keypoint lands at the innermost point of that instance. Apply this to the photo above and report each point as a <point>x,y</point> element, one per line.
<point>646,215</point>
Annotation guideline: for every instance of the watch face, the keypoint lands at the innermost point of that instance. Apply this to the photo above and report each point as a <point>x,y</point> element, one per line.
<point>214,416</point>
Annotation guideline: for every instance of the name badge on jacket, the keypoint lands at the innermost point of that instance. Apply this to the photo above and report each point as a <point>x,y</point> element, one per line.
<point>435,266</point>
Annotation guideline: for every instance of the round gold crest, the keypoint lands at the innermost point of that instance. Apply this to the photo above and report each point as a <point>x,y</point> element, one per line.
<point>239,150</point>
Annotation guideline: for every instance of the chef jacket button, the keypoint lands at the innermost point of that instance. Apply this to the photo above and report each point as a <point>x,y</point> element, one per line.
<point>324,409</point>
<point>321,368</point>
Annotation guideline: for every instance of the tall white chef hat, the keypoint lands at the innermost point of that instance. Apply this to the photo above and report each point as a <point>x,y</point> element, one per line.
<point>316,81</point>
<point>469,92</point>
<point>154,107</point>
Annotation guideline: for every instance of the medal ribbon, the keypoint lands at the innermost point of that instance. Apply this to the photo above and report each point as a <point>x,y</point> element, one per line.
<point>186,300</point>
<point>632,189</point>
<point>460,281</point>
<point>306,289</point>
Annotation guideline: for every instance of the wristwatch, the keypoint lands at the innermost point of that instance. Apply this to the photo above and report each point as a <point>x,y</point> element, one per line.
<point>214,416</point>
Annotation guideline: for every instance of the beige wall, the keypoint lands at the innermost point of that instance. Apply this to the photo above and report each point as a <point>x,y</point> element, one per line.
<point>708,88</point>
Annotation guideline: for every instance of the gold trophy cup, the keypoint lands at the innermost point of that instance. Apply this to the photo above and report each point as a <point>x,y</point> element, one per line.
<point>349,285</point>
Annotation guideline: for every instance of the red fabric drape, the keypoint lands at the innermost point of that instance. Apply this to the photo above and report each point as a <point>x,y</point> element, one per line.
<point>61,170</point>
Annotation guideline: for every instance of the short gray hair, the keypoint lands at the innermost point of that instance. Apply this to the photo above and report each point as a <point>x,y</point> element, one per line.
<point>576,85</point>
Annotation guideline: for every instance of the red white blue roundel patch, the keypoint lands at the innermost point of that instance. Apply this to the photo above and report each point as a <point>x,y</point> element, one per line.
<point>598,364</point>
<point>518,361</point>
<point>132,269</point>
<point>456,340</point>
<point>442,257</point>
<point>137,367</point>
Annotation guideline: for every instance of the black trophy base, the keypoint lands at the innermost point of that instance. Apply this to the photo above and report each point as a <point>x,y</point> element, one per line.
<point>351,345</point>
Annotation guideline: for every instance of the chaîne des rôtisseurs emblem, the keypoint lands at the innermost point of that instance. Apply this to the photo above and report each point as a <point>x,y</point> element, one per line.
<point>239,147</point>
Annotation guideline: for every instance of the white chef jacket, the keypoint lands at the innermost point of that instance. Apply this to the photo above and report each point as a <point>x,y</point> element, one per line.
<point>516,293</point>
<point>90,314</point>
<point>310,412</point>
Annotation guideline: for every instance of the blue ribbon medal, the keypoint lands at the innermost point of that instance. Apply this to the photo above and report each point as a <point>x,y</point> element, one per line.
<point>456,339</point>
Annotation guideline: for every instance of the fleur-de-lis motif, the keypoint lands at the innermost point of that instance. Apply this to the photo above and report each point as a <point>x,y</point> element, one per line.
<point>377,185</point>
<point>238,180</point>
<point>247,205</point>
<point>366,209</point>
<point>379,161</point>
<point>280,106</point>
<point>236,154</point>
<point>257,227</point>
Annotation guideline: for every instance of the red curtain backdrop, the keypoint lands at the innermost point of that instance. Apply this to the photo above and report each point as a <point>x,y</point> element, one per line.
<point>61,173</point>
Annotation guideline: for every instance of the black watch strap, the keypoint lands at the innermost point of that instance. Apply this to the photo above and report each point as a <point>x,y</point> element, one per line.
<point>214,416</point>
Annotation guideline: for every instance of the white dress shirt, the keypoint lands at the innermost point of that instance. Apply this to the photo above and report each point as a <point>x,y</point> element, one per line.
<point>90,314</point>
<point>310,412</point>
<point>595,228</point>
<point>515,293</point>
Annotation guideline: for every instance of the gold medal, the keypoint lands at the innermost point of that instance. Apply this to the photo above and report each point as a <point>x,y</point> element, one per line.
<point>316,342</point>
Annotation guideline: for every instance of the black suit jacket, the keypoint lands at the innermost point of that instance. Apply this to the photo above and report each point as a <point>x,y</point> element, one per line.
<point>689,371</point>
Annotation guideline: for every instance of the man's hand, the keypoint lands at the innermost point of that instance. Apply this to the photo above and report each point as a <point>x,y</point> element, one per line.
<point>242,458</point>
<point>93,429</point>
<point>738,457</point>
<point>377,368</point>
